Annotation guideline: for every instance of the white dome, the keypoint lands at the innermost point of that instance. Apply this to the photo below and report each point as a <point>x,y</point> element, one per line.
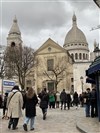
<point>76,43</point>
<point>75,35</point>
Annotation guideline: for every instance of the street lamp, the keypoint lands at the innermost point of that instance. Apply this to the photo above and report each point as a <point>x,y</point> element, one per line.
<point>81,78</point>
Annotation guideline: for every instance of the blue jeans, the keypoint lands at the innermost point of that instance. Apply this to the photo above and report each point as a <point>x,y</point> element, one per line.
<point>26,121</point>
<point>87,110</point>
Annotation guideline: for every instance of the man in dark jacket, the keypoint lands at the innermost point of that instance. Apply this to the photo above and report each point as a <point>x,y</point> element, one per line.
<point>63,99</point>
<point>94,111</point>
<point>87,102</point>
<point>68,100</point>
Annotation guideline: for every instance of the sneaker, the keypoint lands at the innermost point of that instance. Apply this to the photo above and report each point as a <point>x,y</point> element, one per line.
<point>14,128</point>
<point>25,127</point>
<point>32,129</point>
<point>9,125</point>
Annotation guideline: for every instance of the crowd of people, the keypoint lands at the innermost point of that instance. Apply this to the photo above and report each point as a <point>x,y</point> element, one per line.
<point>16,101</point>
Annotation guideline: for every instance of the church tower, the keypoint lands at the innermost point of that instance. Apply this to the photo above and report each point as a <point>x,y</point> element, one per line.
<point>76,44</point>
<point>14,36</point>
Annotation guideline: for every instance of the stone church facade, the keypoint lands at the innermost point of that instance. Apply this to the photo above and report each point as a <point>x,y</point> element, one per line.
<point>55,65</point>
<point>70,61</point>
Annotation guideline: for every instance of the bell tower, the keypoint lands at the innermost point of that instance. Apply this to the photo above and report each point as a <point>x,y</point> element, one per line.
<point>14,35</point>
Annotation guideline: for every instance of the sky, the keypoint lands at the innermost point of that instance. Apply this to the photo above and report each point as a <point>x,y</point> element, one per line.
<point>39,20</point>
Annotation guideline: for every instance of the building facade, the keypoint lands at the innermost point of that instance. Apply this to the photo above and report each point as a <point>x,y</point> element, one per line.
<point>77,46</point>
<point>74,58</point>
<point>55,67</point>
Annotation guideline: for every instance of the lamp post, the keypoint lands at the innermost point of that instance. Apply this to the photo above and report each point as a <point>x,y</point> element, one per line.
<point>81,78</point>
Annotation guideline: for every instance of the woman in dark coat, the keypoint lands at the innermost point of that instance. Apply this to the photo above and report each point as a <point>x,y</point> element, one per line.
<point>44,99</point>
<point>30,101</point>
<point>76,99</point>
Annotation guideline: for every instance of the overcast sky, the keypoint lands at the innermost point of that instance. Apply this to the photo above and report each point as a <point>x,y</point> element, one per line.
<point>39,20</point>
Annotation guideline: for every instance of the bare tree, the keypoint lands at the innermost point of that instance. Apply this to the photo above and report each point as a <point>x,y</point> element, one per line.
<point>2,68</point>
<point>58,71</point>
<point>19,61</point>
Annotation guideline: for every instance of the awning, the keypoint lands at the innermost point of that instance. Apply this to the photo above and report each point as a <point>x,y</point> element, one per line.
<point>90,80</point>
<point>93,69</point>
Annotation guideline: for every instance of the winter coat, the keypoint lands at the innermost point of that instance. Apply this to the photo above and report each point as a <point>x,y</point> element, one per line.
<point>87,98</point>
<point>75,98</point>
<point>5,102</point>
<point>51,98</point>
<point>14,104</point>
<point>44,99</point>
<point>0,101</point>
<point>68,98</point>
<point>30,106</point>
<point>57,97</point>
<point>93,97</point>
<point>63,96</point>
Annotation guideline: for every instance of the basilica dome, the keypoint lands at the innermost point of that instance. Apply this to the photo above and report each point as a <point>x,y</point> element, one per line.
<point>75,34</point>
<point>76,43</point>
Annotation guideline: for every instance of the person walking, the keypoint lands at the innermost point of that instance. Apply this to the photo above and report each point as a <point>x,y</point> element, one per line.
<point>52,99</point>
<point>81,99</point>
<point>44,100</point>
<point>5,106</point>
<point>94,112</point>
<point>76,99</point>
<point>1,101</point>
<point>30,102</point>
<point>68,100</point>
<point>57,99</point>
<point>63,99</point>
<point>14,106</point>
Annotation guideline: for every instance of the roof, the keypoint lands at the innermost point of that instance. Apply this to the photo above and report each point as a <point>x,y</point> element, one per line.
<point>15,28</point>
<point>75,34</point>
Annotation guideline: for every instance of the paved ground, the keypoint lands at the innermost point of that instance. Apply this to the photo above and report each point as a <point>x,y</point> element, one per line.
<point>57,122</point>
<point>88,124</point>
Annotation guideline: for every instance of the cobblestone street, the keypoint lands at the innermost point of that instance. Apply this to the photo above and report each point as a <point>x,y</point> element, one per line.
<point>57,122</point>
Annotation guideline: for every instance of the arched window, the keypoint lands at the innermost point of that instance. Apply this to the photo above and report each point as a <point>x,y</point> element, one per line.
<point>72,56</point>
<point>13,44</point>
<point>80,56</point>
<point>76,56</point>
<point>83,56</point>
<point>86,56</point>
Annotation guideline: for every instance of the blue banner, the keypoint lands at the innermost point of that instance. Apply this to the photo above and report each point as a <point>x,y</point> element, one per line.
<point>8,83</point>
